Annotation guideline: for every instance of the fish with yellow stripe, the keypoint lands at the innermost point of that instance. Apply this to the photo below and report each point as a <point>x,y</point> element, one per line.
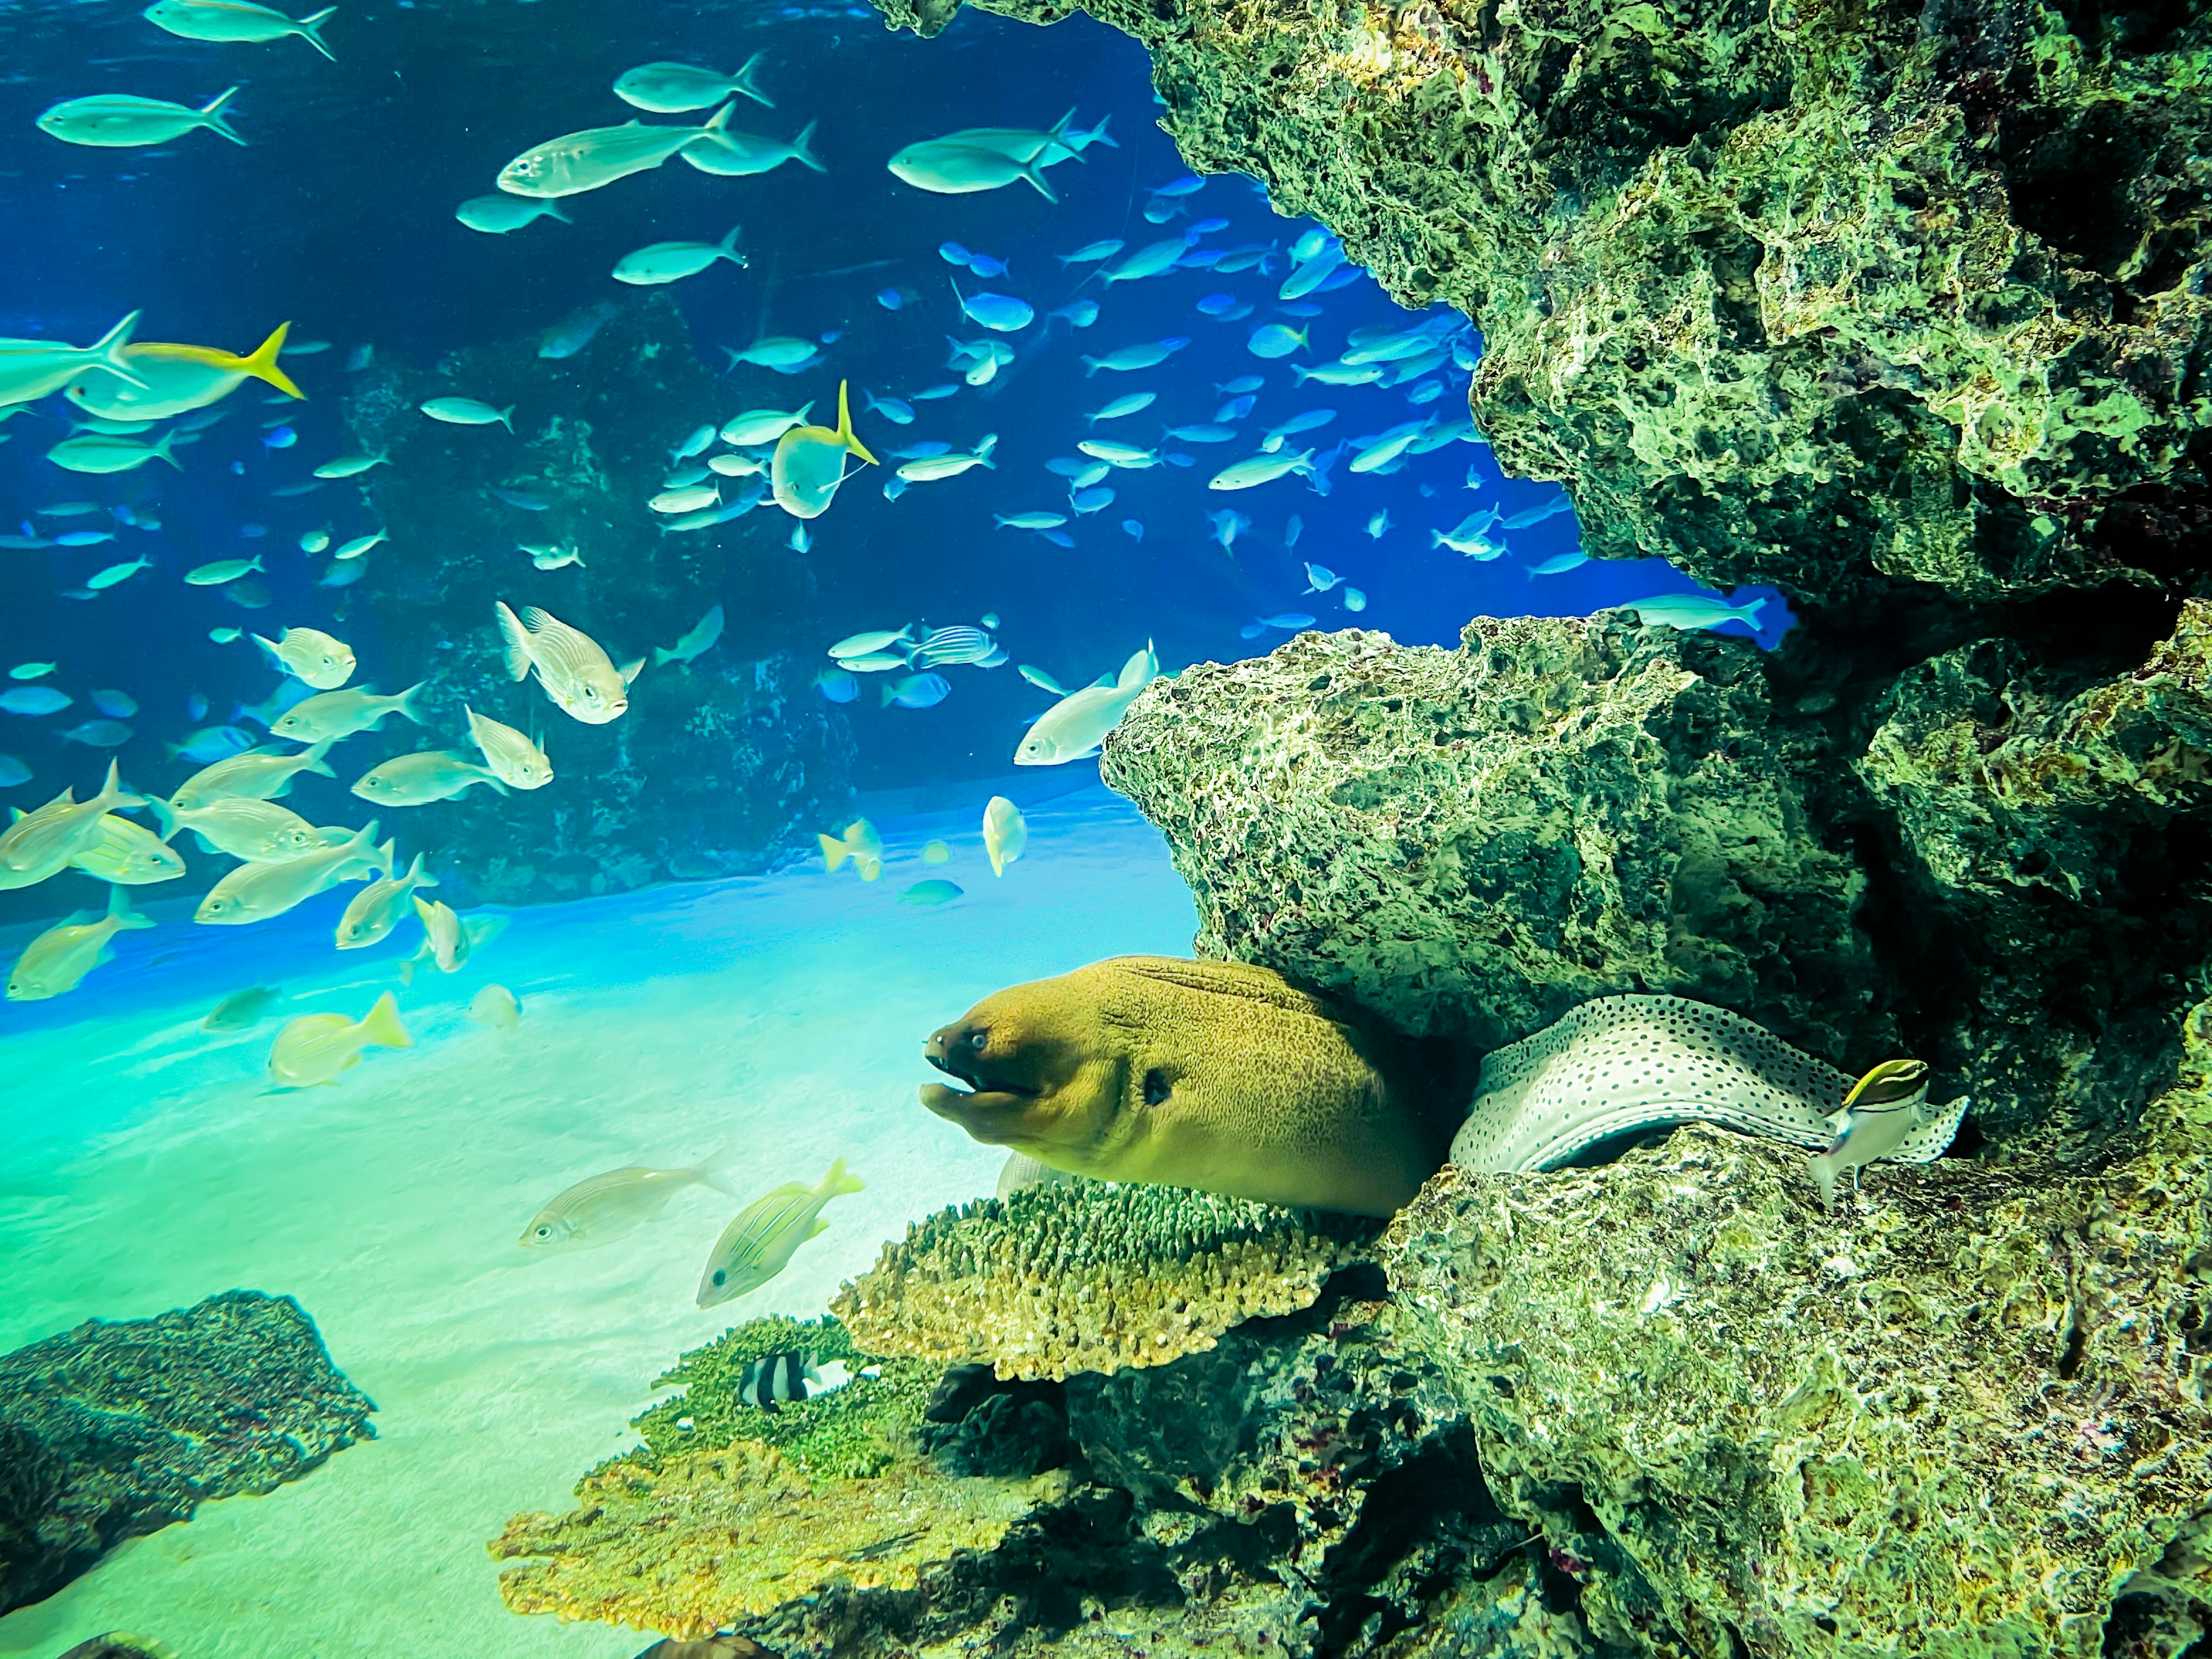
<point>767,1233</point>
<point>178,379</point>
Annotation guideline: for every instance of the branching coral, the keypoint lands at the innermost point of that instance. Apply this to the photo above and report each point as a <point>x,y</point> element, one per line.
<point>1056,1279</point>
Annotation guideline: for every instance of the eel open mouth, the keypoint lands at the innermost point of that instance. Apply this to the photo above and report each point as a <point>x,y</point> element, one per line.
<point>988,1099</point>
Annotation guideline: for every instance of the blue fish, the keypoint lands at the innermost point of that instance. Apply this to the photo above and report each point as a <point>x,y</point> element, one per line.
<point>837,684</point>
<point>890,298</point>
<point>1235,409</point>
<point>1066,466</point>
<point>897,411</point>
<point>1202,434</point>
<point>282,438</point>
<point>930,393</point>
<point>1299,308</point>
<point>1134,527</point>
<point>1202,258</point>
<point>1214,304</point>
<point>1093,500</point>
<point>1002,313</point>
<point>1207,226</point>
<point>952,253</point>
<point>1189,185</point>
<point>986,264</point>
<point>1081,314</point>
<point>1057,538</point>
<point>917,691</point>
<point>1241,385</point>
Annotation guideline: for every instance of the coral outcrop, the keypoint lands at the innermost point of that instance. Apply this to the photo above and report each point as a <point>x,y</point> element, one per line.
<point>1833,297</point>
<point>722,764</point>
<point>1966,1415</point>
<point>119,1428</point>
<point>1090,1277</point>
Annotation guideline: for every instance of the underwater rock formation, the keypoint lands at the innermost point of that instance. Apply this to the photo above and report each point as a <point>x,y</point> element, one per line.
<point>117,1429</point>
<point>1091,1277</point>
<point>1801,1433</point>
<point>1826,297</point>
<point>721,765</point>
<point>1471,842</point>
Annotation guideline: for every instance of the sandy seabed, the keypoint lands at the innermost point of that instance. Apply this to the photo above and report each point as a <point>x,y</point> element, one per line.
<point>144,1168</point>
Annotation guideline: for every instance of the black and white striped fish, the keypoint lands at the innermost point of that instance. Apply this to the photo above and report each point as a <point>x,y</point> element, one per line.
<point>946,645</point>
<point>777,1379</point>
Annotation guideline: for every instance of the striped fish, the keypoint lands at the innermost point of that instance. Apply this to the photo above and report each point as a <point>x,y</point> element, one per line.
<point>776,1378</point>
<point>760,1242</point>
<point>952,645</point>
<point>576,673</point>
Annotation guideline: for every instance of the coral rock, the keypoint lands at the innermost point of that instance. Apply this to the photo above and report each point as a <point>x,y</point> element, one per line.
<point>117,1429</point>
<point>1471,842</point>
<point>1057,1280</point>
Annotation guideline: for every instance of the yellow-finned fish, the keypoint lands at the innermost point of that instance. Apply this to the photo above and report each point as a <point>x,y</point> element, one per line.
<point>760,1242</point>
<point>474,932</point>
<point>496,1007</point>
<point>41,843</point>
<point>577,674</point>
<point>178,379</point>
<point>316,1047</point>
<point>129,855</point>
<point>514,759</point>
<point>602,1208</point>
<point>442,931</point>
<point>255,892</point>
<point>62,956</point>
<point>1005,833</point>
<point>310,655</point>
<point>859,843</point>
<point>809,463</point>
<point>376,909</point>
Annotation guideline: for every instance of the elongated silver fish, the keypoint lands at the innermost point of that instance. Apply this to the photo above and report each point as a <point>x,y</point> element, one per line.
<point>254,892</point>
<point>603,1208</point>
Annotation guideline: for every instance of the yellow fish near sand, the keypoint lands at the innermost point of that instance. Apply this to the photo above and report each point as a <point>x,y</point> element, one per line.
<point>129,855</point>
<point>316,1047</point>
<point>810,464</point>
<point>859,843</point>
<point>767,1233</point>
<point>44,842</point>
<point>1005,833</point>
<point>178,378</point>
<point>62,956</point>
<point>603,1208</point>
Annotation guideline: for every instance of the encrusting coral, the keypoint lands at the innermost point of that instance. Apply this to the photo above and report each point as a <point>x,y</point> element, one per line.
<point>1056,1279</point>
<point>1962,1418</point>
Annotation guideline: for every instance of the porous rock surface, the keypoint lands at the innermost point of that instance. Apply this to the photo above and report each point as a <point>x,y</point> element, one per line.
<point>119,1428</point>
<point>1966,1415</point>
<point>1804,293</point>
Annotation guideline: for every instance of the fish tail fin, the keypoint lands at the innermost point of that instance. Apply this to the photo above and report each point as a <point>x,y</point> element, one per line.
<point>517,641</point>
<point>404,703</point>
<point>160,447</point>
<point>727,247</point>
<point>718,1169</point>
<point>119,911</point>
<point>889,694</point>
<point>1035,175</point>
<point>406,970</point>
<point>317,760</point>
<point>743,81</point>
<point>834,852</point>
<point>1751,612</point>
<point>381,1024</point>
<point>414,876</point>
<point>837,1180</point>
<point>109,350</point>
<point>211,116</point>
<point>1824,1171</point>
<point>802,149</point>
<point>1098,135</point>
<point>662,656</point>
<point>262,364</point>
<point>311,30</point>
<point>507,418</point>
<point>719,122</point>
<point>385,860</point>
<point>165,815</point>
<point>551,209</point>
<point>983,449</point>
<point>113,797</point>
<point>845,429</point>
<point>1058,130</point>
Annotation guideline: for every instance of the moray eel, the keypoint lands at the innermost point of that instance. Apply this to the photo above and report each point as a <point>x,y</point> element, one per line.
<point>1214,1075</point>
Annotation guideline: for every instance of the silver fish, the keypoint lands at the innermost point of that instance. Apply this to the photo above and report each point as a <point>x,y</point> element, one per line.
<point>603,1208</point>
<point>255,892</point>
<point>575,671</point>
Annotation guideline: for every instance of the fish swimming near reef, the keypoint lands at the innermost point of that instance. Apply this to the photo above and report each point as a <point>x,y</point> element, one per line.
<point>578,161</point>
<point>1075,726</point>
<point>699,640</point>
<point>448,943</point>
<point>57,960</point>
<point>603,1208</point>
<point>1219,1076</point>
<point>315,1049</point>
<point>760,1242</point>
<point>860,843</point>
<point>572,666</point>
<point>1618,1064</point>
<point>780,1379</point>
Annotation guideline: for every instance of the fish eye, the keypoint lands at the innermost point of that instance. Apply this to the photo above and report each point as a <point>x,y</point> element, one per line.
<point>976,1039</point>
<point>721,1277</point>
<point>1156,1086</point>
<point>544,1232</point>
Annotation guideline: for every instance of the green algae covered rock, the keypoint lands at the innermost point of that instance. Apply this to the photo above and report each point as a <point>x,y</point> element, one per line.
<point>1471,842</point>
<point>1964,1415</point>
<point>1804,293</point>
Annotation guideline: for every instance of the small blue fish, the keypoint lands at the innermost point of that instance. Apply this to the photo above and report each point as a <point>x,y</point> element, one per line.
<point>897,411</point>
<point>1228,524</point>
<point>931,394</point>
<point>1354,599</point>
<point>1066,466</point>
<point>1290,622</point>
<point>1202,258</point>
<point>1319,578</point>
<point>1558,565</point>
<point>1214,304</point>
<point>282,438</point>
<point>1235,409</point>
<point>1159,210</point>
<point>1291,530</point>
<point>1134,528</point>
<point>837,684</point>
<point>83,538</point>
<point>211,744</point>
<point>1189,185</point>
<point>1241,385</point>
<point>1081,314</point>
<point>917,691</point>
<point>1202,434</point>
<point>1275,340</point>
<point>986,264</point>
<point>1058,539</point>
<point>1097,499</point>
<point>1379,526</point>
<point>1207,226</point>
<point>521,499</point>
<point>1426,392</point>
<point>1002,313</point>
<point>1089,253</point>
<point>931,892</point>
<point>253,532</point>
<point>889,299</point>
<point>1305,308</point>
<point>952,253</point>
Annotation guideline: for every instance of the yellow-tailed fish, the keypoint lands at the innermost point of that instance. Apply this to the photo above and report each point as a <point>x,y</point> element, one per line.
<point>809,463</point>
<point>427,776</point>
<point>1005,833</point>
<point>576,672</point>
<point>129,855</point>
<point>757,1245</point>
<point>316,1047</point>
<point>62,956</point>
<point>442,931</point>
<point>255,892</point>
<point>472,935</point>
<point>175,379</point>
<point>605,1208</point>
<point>329,715</point>
<point>496,1007</point>
<point>259,831</point>
<point>859,843</point>
<point>311,656</point>
<point>29,369</point>
<point>377,908</point>
<point>513,758</point>
<point>42,843</point>
<point>257,775</point>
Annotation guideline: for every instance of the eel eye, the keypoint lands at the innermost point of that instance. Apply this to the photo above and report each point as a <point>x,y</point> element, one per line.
<point>978,1040</point>
<point>1156,1086</point>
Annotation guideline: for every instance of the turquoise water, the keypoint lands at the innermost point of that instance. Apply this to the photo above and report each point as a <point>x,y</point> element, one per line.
<point>145,1168</point>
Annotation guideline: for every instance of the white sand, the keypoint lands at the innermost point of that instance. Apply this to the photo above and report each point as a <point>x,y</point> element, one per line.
<point>143,1170</point>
